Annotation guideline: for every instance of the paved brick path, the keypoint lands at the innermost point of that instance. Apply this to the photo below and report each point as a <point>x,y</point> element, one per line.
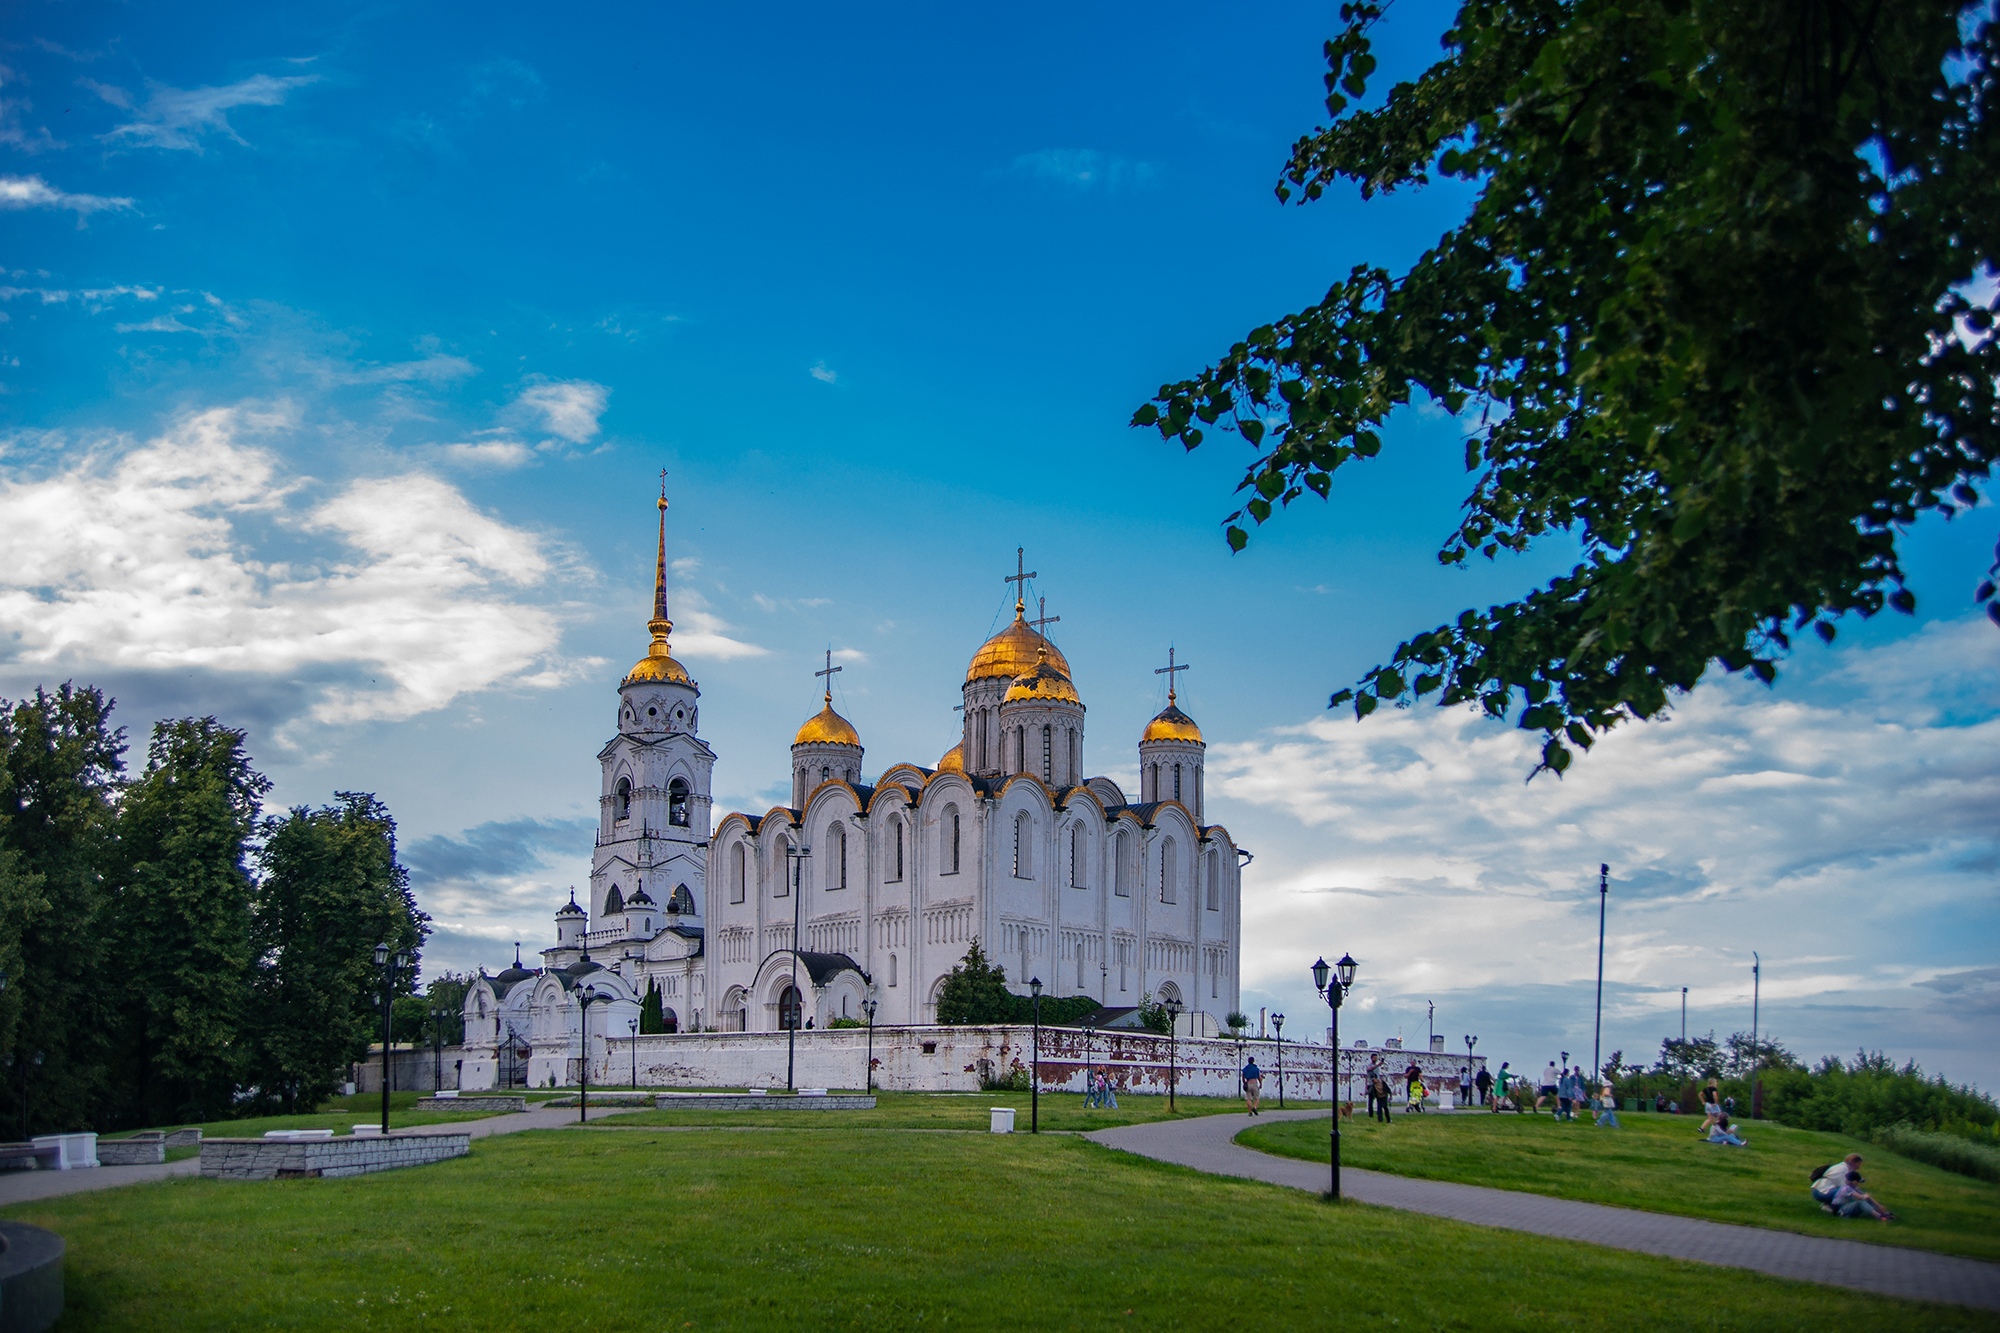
<point>1206,1144</point>
<point>28,1186</point>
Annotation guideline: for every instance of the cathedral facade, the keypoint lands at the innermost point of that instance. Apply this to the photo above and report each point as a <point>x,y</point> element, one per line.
<point>873,890</point>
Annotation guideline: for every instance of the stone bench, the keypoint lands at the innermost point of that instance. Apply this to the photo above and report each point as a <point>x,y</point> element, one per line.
<point>473,1105</point>
<point>350,1155</point>
<point>744,1101</point>
<point>31,1278</point>
<point>29,1157</point>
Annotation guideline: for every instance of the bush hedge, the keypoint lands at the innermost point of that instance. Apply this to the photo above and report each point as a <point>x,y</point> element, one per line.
<point>1953,1152</point>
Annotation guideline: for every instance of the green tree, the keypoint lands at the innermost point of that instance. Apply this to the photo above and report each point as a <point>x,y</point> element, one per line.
<point>179,925</point>
<point>62,761</point>
<point>1707,316</point>
<point>975,991</point>
<point>653,1009</point>
<point>331,889</point>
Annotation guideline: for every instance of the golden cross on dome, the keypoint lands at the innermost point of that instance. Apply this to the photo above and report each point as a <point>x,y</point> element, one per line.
<point>1168,671</point>
<point>830,672</point>
<point>1042,605</point>
<point>1020,576</point>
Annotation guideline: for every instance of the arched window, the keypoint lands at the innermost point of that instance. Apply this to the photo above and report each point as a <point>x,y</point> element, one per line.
<point>1214,882</point>
<point>896,849</point>
<point>1024,846</point>
<point>621,803</point>
<point>739,873</point>
<point>1167,869</point>
<point>1121,870</point>
<point>836,848</point>
<point>1177,782</point>
<point>781,882</point>
<point>892,969</point>
<point>948,832</point>
<point>1075,757</point>
<point>1169,993</point>
<point>1048,755</point>
<point>1078,850</point>
<point>677,803</point>
<point>788,1008</point>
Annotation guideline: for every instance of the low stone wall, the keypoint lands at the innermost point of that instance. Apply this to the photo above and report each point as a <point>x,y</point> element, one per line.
<point>353,1155</point>
<point>148,1149</point>
<point>184,1138</point>
<point>31,1278</point>
<point>493,1104</point>
<point>743,1101</point>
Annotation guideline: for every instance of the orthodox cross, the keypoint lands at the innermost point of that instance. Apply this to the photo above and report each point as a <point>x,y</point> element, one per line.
<point>663,483</point>
<point>1020,576</point>
<point>830,672</point>
<point>1042,605</point>
<point>1168,671</point>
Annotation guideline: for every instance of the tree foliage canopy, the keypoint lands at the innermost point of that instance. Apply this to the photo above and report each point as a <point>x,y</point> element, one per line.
<point>1708,315</point>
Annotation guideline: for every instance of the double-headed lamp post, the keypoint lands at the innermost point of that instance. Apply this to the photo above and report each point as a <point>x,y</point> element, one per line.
<point>586,995</point>
<point>1472,1094</point>
<point>1173,1008</point>
<point>868,1078</point>
<point>390,964</point>
<point>1278,1024</point>
<point>1335,988</point>
<point>1035,1079</point>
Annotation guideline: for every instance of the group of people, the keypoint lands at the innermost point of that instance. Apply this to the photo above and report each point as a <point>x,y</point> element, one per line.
<point>1099,1092</point>
<point>1837,1189</point>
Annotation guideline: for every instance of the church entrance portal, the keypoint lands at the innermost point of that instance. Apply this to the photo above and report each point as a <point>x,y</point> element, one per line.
<point>788,1009</point>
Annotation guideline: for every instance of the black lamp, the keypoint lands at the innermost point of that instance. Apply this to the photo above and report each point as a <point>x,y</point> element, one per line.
<point>1035,1089</point>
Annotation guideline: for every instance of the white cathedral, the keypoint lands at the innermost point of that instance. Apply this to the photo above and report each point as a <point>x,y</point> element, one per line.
<point>862,890</point>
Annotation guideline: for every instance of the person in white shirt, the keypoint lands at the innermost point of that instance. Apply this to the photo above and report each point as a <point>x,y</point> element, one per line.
<point>1551,1079</point>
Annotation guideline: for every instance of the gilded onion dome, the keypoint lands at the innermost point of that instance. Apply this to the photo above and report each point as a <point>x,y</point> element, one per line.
<point>1044,683</point>
<point>658,664</point>
<point>954,760</point>
<point>1014,651</point>
<point>1171,724</point>
<point>827,727</point>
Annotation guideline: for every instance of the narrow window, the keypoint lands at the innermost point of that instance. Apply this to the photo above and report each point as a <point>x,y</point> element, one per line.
<point>1167,871</point>
<point>1048,755</point>
<point>896,836</point>
<point>1075,758</point>
<point>836,839</point>
<point>1024,846</point>
<point>1077,852</point>
<point>781,883</point>
<point>622,803</point>
<point>892,969</point>
<point>948,835</point>
<point>1121,872</point>
<point>1214,882</point>
<point>1177,782</point>
<point>677,803</point>
<point>739,872</point>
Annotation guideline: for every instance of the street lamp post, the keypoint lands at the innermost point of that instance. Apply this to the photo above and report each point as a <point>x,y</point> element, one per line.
<point>868,1075</point>
<point>1684,1015</point>
<point>1035,1080</point>
<point>798,858</point>
<point>1278,1022</point>
<point>390,964</point>
<point>1089,1060</point>
<point>1597,1029</point>
<point>1335,987</point>
<point>633,1024</point>
<point>1173,1008</point>
<point>1472,1085</point>
<point>585,997</point>
<point>1756,1064</point>
<point>437,1048</point>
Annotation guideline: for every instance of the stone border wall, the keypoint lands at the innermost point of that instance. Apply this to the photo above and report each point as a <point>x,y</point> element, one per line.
<point>743,1101</point>
<point>147,1149</point>
<point>482,1103</point>
<point>31,1278</point>
<point>350,1155</point>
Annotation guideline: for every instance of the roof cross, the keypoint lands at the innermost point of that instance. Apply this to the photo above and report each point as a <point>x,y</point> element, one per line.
<point>1042,605</point>
<point>830,672</point>
<point>1168,671</point>
<point>1020,576</point>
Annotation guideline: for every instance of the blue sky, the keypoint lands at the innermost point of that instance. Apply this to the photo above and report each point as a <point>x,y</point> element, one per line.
<point>341,353</point>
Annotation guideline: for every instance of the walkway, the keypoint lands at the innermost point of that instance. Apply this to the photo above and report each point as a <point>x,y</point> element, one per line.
<point>1206,1145</point>
<point>28,1186</point>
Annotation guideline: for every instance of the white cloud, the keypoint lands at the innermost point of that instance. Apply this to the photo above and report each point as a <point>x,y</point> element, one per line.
<point>181,554</point>
<point>434,369</point>
<point>1083,169</point>
<point>699,632</point>
<point>1844,825</point>
<point>179,117</point>
<point>822,374</point>
<point>849,655</point>
<point>489,453</point>
<point>34,192</point>
<point>568,408</point>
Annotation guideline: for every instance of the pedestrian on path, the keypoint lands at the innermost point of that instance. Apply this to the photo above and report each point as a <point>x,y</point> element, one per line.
<point>1546,1091</point>
<point>1253,1084</point>
<point>1607,1118</point>
<point>1500,1082</point>
<point>1482,1085</point>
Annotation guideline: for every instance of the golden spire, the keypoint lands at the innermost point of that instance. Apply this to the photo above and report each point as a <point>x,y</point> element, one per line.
<point>661,624</point>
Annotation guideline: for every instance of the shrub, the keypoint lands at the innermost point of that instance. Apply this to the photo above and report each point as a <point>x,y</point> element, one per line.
<point>847,1023</point>
<point>1953,1152</point>
<point>1869,1093</point>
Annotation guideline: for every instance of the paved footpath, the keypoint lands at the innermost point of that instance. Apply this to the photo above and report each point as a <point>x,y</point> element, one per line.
<point>1206,1144</point>
<point>28,1186</point>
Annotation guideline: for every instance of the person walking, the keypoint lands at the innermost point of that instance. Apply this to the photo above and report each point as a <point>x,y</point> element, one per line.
<point>1379,1087</point>
<point>1607,1118</point>
<point>1482,1086</point>
<point>1546,1090</point>
<point>1371,1080</point>
<point>1108,1091</point>
<point>1253,1084</point>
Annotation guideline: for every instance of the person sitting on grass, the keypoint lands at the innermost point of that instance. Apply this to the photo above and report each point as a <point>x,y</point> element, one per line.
<point>1721,1132</point>
<point>1608,1116</point>
<point>1849,1201</point>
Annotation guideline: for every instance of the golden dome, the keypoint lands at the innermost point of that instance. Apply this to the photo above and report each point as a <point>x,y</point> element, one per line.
<point>657,665</point>
<point>1012,652</point>
<point>1044,683</point>
<point>1172,725</point>
<point>827,727</point>
<point>954,759</point>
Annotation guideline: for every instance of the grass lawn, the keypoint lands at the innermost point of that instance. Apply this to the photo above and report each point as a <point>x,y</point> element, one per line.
<point>1656,1163</point>
<point>340,1114</point>
<point>809,1229</point>
<point>946,1110</point>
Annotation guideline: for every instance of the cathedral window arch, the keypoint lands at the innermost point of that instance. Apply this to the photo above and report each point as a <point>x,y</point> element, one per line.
<point>788,1008</point>
<point>948,833</point>
<point>892,969</point>
<point>836,846</point>
<point>1177,782</point>
<point>1079,850</point>
<point>1121,873</point>
<point>1075,757</point>
<point>621,800</point>
<point>781,879</point>
<point>895,849</point>
<point>739,873</point>
<point>1214,882</point>
<point>1048,754</point>
<point>1024,846</point>
<point>1167,869</point>
<point>677,803</point>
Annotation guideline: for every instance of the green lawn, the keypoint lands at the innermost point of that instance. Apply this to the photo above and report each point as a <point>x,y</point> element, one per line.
<point>805,1229</point>
<point>1656,1163</point>
<point>340,1114</point>
<point>946,1110</point>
